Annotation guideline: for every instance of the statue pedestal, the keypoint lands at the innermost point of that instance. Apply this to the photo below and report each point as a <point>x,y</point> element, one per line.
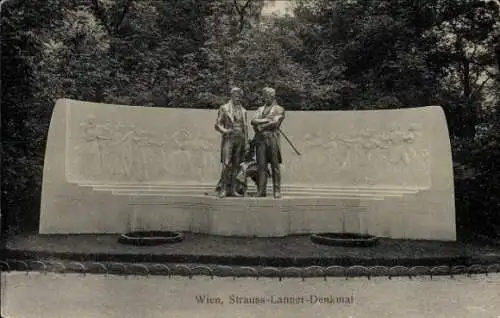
<point>409,213</point>
<point>381,212</point>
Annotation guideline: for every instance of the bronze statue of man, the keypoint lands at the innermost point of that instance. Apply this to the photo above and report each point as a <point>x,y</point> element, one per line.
<point>232,124</point>
<point>266,124</point>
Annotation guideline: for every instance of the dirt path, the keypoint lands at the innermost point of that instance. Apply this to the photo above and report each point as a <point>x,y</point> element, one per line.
<point>71,295</point>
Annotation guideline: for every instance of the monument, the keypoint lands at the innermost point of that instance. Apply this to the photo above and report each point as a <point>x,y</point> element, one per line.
<point>115,169</point>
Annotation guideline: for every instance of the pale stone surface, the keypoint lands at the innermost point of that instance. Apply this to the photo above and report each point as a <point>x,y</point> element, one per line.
<point>385,172</point>
<point>53,295</point>
<point>107,144</point>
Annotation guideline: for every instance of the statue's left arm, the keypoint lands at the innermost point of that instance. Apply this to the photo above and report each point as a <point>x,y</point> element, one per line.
<point>245,128</point>
<point>276,121</point>
<point>219,125</point>
<point>257,120</point>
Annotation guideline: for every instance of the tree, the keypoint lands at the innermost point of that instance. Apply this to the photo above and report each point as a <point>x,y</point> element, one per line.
<point>25,114</point>
<point>379,49</point>
<point>339,54</point>
<point>467,31</point>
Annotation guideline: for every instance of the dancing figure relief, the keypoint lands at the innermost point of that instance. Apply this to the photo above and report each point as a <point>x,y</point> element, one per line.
<point>95,135</point>
<point>118,148</point>
<point>125,151</point>
<point>392,147</point>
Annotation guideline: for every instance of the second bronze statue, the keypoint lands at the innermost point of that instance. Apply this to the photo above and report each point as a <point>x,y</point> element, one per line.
<point>266,124</point>
<point>237,156</point>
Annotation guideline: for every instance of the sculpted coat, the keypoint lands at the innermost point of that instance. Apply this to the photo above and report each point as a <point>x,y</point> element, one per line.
<point>276,114</point>
<point>225,120</point>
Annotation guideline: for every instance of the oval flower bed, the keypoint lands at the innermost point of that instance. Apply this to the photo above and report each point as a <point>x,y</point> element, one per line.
<point>151,237</point>
<point>344,239</point>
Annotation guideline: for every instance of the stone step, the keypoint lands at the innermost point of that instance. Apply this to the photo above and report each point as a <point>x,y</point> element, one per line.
<point>406,189</point>
<point>285,203</point>
<point>187,200</point>
<point>288,194</point>
<point>290,190</point>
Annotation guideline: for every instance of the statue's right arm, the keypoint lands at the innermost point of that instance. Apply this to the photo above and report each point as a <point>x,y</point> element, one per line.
<point>257,120</point>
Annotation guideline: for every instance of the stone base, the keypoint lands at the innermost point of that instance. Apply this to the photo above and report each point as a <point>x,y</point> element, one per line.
<point>383,212</point>
<point>268,217</point>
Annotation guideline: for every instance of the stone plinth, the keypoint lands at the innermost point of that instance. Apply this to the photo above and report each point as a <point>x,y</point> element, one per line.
<point>112,168</point>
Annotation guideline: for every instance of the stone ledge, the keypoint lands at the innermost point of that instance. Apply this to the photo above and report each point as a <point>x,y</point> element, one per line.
<point>289,191</point>
<point>211,186</point>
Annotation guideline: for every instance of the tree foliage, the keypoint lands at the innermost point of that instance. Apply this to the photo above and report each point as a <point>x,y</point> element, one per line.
<point>329,54</point>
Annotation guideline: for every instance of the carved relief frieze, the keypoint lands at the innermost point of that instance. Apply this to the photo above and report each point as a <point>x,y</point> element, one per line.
<point>118,150</point>
<point>366,155</point>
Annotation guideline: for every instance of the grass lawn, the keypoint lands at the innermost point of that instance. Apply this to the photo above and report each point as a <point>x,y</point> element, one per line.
<point>296,250</point>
